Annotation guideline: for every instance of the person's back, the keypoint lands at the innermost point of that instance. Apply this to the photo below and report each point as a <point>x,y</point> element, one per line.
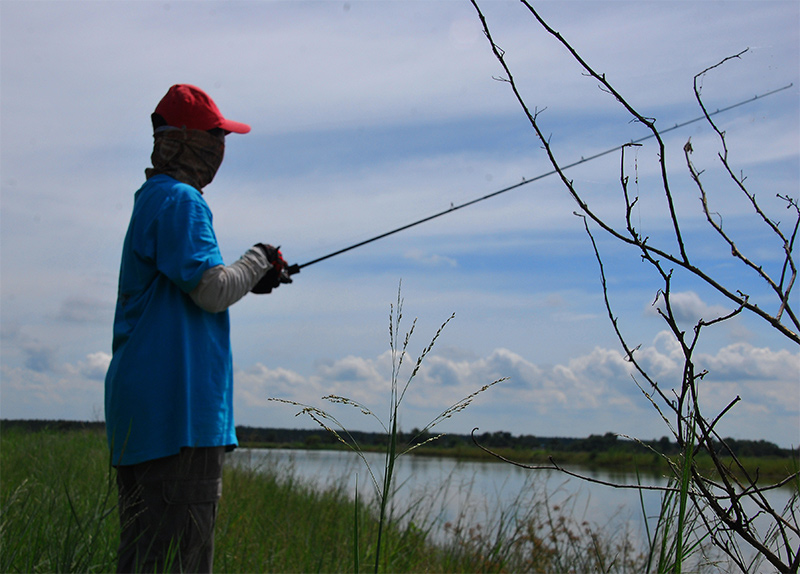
<point>170,379</point>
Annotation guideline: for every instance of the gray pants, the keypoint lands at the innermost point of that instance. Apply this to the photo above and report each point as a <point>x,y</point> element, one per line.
<point>167,511</point>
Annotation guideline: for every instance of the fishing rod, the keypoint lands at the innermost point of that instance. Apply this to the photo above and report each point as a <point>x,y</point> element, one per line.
<point>295,268</point>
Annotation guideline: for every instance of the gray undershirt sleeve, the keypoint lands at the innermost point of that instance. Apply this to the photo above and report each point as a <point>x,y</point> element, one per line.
<point>222,286</point>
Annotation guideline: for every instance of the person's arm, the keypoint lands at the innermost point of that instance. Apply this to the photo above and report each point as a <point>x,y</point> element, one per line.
<point>222,286</point>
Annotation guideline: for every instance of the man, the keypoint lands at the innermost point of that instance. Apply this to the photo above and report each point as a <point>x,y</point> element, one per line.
<point>169,387</point>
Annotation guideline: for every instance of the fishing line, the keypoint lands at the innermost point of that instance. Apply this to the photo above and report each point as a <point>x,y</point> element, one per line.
<point>292,269</point>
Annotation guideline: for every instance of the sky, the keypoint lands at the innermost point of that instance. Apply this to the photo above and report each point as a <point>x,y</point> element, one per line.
<point>367,116</point>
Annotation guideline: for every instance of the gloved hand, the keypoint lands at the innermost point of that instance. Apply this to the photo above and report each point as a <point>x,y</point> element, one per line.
<point>277,274</point>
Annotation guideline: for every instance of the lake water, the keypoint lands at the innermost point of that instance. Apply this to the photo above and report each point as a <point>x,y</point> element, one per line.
<point>444,490</point>
<point>474,492</point>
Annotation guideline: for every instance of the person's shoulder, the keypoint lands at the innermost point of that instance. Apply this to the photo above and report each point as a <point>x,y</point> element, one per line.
<point>170,189</point>
<point>166,183</point>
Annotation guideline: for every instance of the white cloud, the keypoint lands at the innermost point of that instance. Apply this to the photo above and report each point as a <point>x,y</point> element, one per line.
<point>94,367</point>
<point>430,259</point>
<point>688,307</point>
<point>258,384</point>
<point>64,391</point>
<point>567,396</point>
<point>564,398</point>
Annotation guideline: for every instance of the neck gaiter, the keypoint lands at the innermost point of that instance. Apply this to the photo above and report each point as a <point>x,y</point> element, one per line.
<point>190,156</point>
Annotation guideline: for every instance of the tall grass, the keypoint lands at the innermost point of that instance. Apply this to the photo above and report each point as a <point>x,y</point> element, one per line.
<point>399,384</point>
<point>58,514</point>
<point>57,503</point>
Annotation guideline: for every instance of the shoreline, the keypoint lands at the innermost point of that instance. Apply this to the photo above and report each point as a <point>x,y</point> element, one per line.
<point>765,468</point>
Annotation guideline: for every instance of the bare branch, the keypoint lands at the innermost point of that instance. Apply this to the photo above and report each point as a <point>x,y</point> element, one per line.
<point>725,490</point>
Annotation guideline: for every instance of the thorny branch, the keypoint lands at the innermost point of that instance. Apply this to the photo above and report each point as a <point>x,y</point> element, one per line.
<point>725,493</point>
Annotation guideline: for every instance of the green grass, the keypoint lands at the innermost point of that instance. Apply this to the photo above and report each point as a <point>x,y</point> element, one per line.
<point>58,502</point>
<point>271,522</point>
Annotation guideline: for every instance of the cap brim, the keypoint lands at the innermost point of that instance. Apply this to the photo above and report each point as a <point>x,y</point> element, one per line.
<point>235,127</point>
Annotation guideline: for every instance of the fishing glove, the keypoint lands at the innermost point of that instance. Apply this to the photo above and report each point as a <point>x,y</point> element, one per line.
<point>278,272</point>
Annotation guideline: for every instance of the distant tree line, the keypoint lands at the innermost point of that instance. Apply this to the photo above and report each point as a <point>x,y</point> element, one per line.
<point>320,438</point>
<point>37,425</point>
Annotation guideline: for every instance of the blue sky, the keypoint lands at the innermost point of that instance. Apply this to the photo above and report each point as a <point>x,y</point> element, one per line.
<point>370,115</point>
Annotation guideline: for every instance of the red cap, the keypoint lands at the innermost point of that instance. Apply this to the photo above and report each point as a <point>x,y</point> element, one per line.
<point>190,107</point>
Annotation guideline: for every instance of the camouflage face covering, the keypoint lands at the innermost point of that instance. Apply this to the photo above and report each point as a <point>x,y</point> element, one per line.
<point>190,156</point>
